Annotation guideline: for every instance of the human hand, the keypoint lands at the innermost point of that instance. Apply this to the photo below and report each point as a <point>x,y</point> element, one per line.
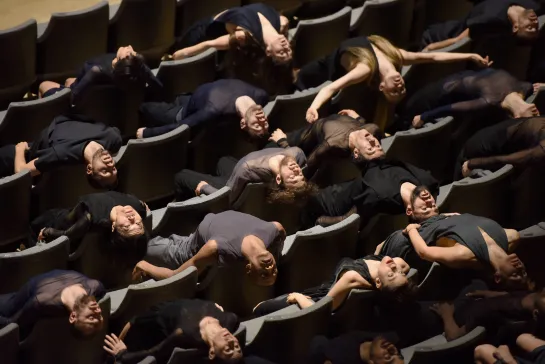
<point>443,309</point>
<point>295,297</point>
<point>199,187</point>
<point>527,111</point>
<point>312,115</point>
<point>465,169</point>
<point>503,354</point>
<point>113,345</point>
<point>219,307</point>
<point>410,227</point>
<point>480,61</point>
<point>140,133</point>
<point>277,135</point>
<point>22,146</point>
<point>417,122</point>
<point>349,112</point>
<point>537,86</point>
<point>139,272</point>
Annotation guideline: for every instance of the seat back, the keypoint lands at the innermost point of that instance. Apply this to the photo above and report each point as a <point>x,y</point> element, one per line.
<point>531,251</point>
<point>298,270</point>
<point>292,332</point>
<point>253,201</point>
<point>528,196</point>
<point>140,297</point>
<point>378,229</point>
<point>18,61</point>
<point>230,287</point>
<point>26,119</point>
<point>147,25</point>
<point>442,11</point>
<point>185,76</point>
<point>190,11</point>
<point>51,342</point>
<point>314,9</point>
<point>355,313</point>
<point>67,42</point>
<point>147,166</point>
<point>333,29</point>
<point>479,196</point>
<point>183,218</point>
<point>21,266</point>
<point>15,211</point>
<point>425,148</point>
<point>391,19</point>
<point>362,99</point>
<point>9,342</point>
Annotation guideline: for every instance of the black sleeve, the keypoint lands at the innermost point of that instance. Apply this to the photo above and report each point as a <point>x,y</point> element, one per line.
<point>74,232</point>
<point>93,76</point>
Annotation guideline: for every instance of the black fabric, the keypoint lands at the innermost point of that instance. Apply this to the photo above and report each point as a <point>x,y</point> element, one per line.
<point>156,114</point>
<point>40,298</point>
<point>343,349</point>
<point>7,160</point>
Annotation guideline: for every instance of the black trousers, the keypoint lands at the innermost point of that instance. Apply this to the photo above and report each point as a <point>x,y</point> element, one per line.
<point>187,180</point>
<point>156,114</point>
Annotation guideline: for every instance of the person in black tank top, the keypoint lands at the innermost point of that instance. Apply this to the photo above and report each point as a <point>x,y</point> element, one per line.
<point>373,60</point>
<point>374,272</point>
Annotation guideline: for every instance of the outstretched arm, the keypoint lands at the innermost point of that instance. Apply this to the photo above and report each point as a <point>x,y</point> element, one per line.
<point>446,312</point>
<point>410,58</point>
<point>447,42</point>
<point>161,351</point>
<point>344,285</point>
<point>221,43</point>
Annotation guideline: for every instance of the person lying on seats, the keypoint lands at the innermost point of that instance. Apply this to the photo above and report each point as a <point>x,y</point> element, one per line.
<point>355,347</point>
<point>520,142</point>
<point>69,139</point>
<point>278,166</point>
<point>210,104</point>
<point>467,92</point>
<point>331,136</point>
<point>114,212</point>
<point>492,17</point>
<point>458,241</point>
<point>374,272</point>
<point>372,60</point>
<point>384,187</point>
<point>533,348</point>
<point>220,239</point>
<point>125,69</point>
<point>184,323</point>
<point>57,293</point>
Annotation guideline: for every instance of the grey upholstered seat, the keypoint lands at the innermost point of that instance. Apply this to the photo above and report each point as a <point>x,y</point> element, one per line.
<point>333,29</point>
<point>67,42</point>
<point>147,166</point>
<point>190,11</point>
<point>18,61</point>
<point>24,120</point>
<point>15,210</point>
<point>183,218</point>
<point>148,360</point>
<point>9,342</point>
<point>186,75</point>
<point>51,342</point>
<point>355,313</point>
<point>292,332</point>
<point>147,25</point>
<point>297,268</point>
<point>21,266</point>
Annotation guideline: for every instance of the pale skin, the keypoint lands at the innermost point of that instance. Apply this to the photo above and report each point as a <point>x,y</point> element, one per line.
<point>488,354</point>
<point>360,72</point>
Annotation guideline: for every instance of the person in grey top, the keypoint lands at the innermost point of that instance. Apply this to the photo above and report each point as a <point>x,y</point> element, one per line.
<point>278,164</point>
<point>220,239</point>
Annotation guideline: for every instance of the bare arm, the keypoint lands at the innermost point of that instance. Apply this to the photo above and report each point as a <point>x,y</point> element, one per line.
<point>410,58</point>
<point>344,285</point>
<point>20,161</point>
<point>447,42</point>
<point>221,43</point>
<point>529,342</point>
<point>447,256</point>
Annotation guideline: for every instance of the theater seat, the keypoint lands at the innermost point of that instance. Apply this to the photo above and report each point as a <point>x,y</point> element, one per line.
<point>148,360</point>
<point>531,250</point>
<point>425,148</point>
<point>253,201</point>
<point>538,99</point>
<point>437,349</point>
<point>231,288</point>
<point>24,120</point>
<point>67,42</point>
<point>183,218</point>
<point>441,11</point>
<point>377,229</point>
<point>186,75</point>
<point>137,298</point>
<point>15,211</point>
<point>188,12</point>
<point>355,313</point>
<point>147,166</point>
<point>391,19</point>
<point>51,342</point>
<point>333,29</point>
<point>479,196</point>
<point>18,61</point>
<point>335,171</point>
<point>21,266</point>
<point>292,332</point>
<point>9,342</point>
<point>147,25</point>
<point>297,269</point>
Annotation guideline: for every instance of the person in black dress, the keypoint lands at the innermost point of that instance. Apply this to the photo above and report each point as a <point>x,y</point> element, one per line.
<point>468,92</point>
<point>55,294</point>
<point>69,139</point>
<point>374,272</point>
<point>491,17</point>
<point>125,69</point>
<point>520,142</point>
<point>115,212</point>
<point>216,102</point>
<point>185,323</point>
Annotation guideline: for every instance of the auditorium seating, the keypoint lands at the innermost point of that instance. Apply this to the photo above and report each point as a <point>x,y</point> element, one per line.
<point>15,211</point>
<point>9,342</point>
<point>190,11</point>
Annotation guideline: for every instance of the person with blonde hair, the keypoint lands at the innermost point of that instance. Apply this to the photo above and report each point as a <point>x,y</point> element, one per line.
<point>373,60</point>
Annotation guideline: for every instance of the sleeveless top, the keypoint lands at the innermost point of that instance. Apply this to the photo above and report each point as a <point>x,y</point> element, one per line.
<point>337,70</point>
<point>246,17</point>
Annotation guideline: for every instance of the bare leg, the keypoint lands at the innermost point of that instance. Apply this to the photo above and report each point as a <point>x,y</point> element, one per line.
<point>124,331</point>
<point>46,86</point>
<point>529,342</point>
